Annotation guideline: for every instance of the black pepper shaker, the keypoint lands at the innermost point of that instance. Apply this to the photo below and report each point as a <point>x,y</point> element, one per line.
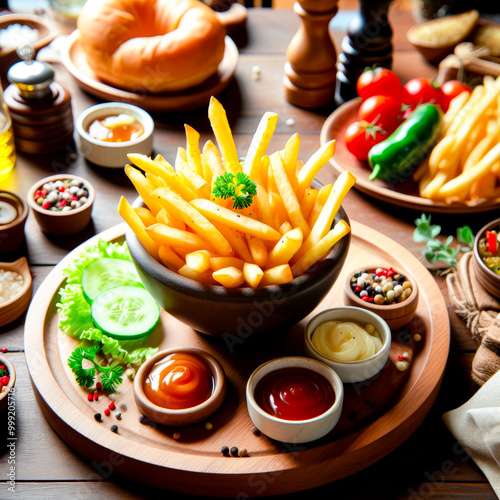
<point>40,108</point>
<point>368,43</point>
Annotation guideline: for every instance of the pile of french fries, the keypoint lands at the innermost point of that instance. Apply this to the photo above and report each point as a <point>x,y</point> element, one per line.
<point>464,166</point>
<point>286,229</point>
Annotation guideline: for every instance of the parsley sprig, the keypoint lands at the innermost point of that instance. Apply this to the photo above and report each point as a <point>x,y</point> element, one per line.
<point>238,186</point>
<point>111,376</point>
<point>434,250</point>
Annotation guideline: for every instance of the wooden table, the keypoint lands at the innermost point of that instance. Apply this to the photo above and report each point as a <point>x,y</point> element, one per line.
<point>430,464</point>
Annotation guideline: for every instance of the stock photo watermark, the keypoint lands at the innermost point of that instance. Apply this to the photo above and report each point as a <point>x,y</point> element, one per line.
<point>11,440</point>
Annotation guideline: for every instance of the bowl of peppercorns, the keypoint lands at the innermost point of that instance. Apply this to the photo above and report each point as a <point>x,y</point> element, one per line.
<point>7,381</point>
<point>390,293</point>
<point>62,204</point>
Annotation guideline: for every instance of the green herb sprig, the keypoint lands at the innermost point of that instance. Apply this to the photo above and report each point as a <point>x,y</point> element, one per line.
<point>238,186</point>
<point>434,250</point>
<point>111,375</point>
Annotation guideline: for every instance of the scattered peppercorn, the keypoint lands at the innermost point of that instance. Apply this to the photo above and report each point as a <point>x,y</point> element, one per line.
<point>114,428</point>
<point>97,416</point>
<point>3,349</point>
<point>401,366</point>
<point>256,431</point>
<point>106,412</point>
<point>225,451</point>
<point>111,405</point>
<point>234,451</point>
<point>90,397</point>
<point>208,426</point>
<point>143,419</point>
<point>243,452</point>
<point>95,396</point>
<point>176,435</point>
<point>417,337</point>
<point>98,386</point>
<point>118,415</point>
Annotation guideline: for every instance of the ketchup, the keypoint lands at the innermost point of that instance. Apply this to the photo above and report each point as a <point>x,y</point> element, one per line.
<point>179,381</point>
<point>294,394</point>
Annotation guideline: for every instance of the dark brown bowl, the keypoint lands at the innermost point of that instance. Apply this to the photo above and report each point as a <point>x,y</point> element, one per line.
<point>489,280</point>
<point>235,314</point>
<point>9,56</point>
<point>12,233</point>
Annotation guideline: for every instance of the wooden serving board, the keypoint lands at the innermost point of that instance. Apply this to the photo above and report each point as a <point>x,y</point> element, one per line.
<point>378,415</point>
<point>403,194</point>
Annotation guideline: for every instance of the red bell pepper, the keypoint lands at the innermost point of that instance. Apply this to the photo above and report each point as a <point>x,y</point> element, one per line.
<point>491,242</point>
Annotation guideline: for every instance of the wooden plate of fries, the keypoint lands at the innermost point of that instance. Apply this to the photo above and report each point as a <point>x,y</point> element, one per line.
<point>414,193</point>
<point>387,408</point>
<point>75,62</point>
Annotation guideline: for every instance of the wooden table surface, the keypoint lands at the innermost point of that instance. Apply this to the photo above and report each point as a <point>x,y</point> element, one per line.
<point>430,464</point>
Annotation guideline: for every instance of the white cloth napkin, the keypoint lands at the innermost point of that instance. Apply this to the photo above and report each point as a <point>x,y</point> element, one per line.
<point>476,425</point>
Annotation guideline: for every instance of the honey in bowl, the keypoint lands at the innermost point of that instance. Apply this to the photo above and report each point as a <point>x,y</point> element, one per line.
<point>294,394</point>
<point>116,128</point>
<point>179,381</point>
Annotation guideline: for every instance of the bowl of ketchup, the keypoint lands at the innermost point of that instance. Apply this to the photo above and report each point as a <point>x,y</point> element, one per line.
<point>294,399</point>
<point>179,386</point>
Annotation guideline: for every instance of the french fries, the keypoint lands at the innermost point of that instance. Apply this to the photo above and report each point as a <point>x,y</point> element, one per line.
<point>462,167</point>
<point>278,231</point>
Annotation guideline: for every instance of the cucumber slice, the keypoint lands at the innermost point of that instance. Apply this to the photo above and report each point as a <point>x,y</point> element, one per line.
<point>125,312</point>
<point>106,273</point>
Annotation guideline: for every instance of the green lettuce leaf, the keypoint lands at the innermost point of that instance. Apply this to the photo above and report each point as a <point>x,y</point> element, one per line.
<point>75,318</point>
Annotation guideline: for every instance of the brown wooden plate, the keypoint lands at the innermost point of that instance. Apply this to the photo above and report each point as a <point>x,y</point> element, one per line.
<point>404,194</point>
<point>75,61</point>
<point>378,414</point>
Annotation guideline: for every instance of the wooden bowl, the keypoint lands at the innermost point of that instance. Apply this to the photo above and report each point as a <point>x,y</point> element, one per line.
<point>488,279</point>
<point>13,308</point>
<point>234,314</point>
<point>396,315</point>
<point>187,416</point>
<point>4,395</point>
<point>9,56</point>
<point>12,233</point>
<point>62,223</point>
<point>449,31</point>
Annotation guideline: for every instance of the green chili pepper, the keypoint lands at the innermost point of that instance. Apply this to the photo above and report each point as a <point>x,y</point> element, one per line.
<point>396,157</point>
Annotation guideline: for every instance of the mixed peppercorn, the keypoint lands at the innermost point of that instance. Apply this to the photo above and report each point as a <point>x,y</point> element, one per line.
<point>4,377</point>
<point>383,287</point>
<point>62,195</point>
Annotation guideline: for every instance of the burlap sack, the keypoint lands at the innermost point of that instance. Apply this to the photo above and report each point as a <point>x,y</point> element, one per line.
<point>481,313</point>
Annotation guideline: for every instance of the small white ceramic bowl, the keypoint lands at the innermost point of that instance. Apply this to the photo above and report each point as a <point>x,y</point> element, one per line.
<point>351,371</point>
<point>294,431</point>
<point>113,154</point>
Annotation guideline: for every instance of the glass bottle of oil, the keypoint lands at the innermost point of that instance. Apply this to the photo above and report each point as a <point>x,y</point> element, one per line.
<point>7,148</point>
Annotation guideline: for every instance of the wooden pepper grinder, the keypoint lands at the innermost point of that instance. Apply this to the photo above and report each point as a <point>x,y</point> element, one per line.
<point>311,57</point>
<point>40,108</point>
<point>368,42</point>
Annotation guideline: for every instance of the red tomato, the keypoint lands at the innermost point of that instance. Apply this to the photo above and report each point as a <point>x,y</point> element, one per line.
<point>361,136</point>
<point>420,91</point>
<point>382,110</point>
<point>378,81</point>
<point>450,90</point>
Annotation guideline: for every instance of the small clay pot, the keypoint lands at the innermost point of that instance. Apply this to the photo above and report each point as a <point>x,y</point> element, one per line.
<point>13,308</point>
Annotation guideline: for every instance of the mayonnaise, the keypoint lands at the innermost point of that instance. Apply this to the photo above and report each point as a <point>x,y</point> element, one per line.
<point>345,341</point>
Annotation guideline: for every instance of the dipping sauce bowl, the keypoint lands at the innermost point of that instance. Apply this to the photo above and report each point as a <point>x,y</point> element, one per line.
<point>358,369</point>
<point>312,393</point>
<point>179,386</point>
